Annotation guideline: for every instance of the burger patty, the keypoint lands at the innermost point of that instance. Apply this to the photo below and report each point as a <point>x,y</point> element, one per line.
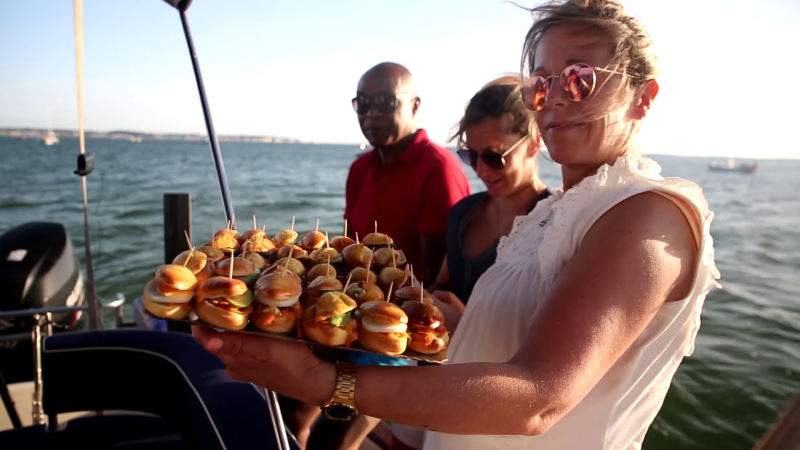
<point>269,313</point>
<point>224,304</point>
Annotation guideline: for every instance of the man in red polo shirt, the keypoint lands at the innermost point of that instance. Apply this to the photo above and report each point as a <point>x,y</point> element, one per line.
<point>406,182</point>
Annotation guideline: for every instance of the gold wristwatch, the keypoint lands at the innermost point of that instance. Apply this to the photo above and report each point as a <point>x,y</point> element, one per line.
<point>342,406</point>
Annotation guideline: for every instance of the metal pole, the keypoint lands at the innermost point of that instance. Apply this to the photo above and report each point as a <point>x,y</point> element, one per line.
<point>277,419</point>
<point>212,135</point>
<point>37,411</point>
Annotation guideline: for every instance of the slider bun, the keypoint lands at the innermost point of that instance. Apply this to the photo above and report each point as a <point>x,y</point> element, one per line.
<point>406,293</point>
<point>220,287</point>
<point>220,317</point>
<point>429,343</point>
<point>212,252</point>
<point>158,293</point>
<point>282,324</point>
<point>357,255</point>
<point>422,314</point>
<point>176,277</point>
<point>253,235</point>
<point>391,276</point>
<point>258,245</point>
<point>333,303</point>
<point>320,270</point>
<point>319,288</point>
<point>377,240</point>
<point>297,252</point>
<point>225,242</point>
<point>164,310</point>
<point>341,242</point>
<point>204,274</point>
<point>386,343</point>
<point>325,333</point>
<point>241,267</point>
<point>276,287</point>
<point>257,260</point>
<point>322,255</point>
<point>295,266</point>
<point>385,310</point>
<point>362,274</point>
<point>197,260</point>
<point>363,292</point>
<point>279,270</point>
<point>313,240</point>
<point>384,255</point>
<point>284,237</point>
<point>226,232</point>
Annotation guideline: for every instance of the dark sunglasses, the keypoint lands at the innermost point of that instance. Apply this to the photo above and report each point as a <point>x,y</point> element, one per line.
<point>492,159</point>
<point>384,102</point>
<point>577,80</point>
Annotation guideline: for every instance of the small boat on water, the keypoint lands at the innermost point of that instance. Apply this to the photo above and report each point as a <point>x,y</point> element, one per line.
<point>50,138</point>
<point>732,166</point>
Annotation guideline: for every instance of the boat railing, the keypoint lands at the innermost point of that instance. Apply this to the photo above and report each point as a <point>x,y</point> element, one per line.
<point>42,328</point>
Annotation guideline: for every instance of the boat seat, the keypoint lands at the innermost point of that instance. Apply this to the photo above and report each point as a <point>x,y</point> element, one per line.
<point>165,374</point>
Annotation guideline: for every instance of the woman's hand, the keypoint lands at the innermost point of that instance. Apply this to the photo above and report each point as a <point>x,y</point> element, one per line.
<point>286,367</point>
<point>450,299</point>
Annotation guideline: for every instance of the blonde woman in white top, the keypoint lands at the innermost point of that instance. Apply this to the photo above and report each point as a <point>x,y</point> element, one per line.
<point>571,339</point>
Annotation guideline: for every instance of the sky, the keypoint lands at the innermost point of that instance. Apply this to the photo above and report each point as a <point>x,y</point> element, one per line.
<point>290,67</point>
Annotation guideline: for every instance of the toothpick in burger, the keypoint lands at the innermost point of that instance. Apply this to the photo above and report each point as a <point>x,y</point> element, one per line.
<point>212,252</point>
<point>426,327</point>
<point>357,255</point>
<point>277,308</point>
<point>169,294</point>
<point>198,262</point>
<point>387,256</point>
<point>392,276</point>
<point>382,328</point>
<point>319,287</point>
<point>330,322</point>
<point>406,293</point>
<point>377,240</point>
<point>313,241</point>
<point>362,274</point>
<point>320,270</point>
<point>322,255</point>
<point>341,242</point>
<point>224,303</point>
<point>284,237</point>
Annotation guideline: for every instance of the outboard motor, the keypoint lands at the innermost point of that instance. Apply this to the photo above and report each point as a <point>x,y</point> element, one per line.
<point>38,269</point>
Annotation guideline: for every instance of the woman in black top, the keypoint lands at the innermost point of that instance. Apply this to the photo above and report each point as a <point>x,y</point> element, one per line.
<point>499,140</point>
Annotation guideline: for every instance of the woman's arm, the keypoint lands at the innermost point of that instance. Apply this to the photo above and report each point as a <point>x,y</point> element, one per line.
<point>640,254</point>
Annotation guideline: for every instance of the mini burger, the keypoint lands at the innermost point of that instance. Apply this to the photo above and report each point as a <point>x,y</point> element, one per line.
<point>296,252</point>
<point>259,244</point>
<point>322,255</point>
<point>426,327</point>
<point>224,303</point>
<point>389,276</point>
<point>212,252</point>
<point>382,327</point>
<point>385,255</point>
<point>256,259</point>
<point>363,292</point>
<point>313,240</point>
<point>277,308</point>
<point>320,270</point>
<point>243,269</point>
<point>169,294</point>
<point>362,274</point>
<point>198,262</point>
<point>319,287</point>
<point>329,321</point>
<point>284,237</point>
<point>225,242</point>
<point>294,266</point>
<point>407,293</point>
<point>377,240</point>
<point>341,242</point>
<point>253,235</point>
<point>357,255</point>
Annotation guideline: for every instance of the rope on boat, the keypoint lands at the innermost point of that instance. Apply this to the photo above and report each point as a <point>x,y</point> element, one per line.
<point>94,311</point>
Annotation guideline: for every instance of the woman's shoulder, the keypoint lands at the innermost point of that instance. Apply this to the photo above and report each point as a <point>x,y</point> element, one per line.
<point>460,209</point>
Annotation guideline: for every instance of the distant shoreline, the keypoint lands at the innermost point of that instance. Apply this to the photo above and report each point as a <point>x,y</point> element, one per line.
<point>133,136</point>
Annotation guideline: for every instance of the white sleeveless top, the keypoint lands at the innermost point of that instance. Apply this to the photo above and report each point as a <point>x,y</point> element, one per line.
<point>619,409</point>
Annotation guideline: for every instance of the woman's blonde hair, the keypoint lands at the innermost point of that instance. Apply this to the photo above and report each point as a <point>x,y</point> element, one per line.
<point>631,46</point>
<point>500,97</point>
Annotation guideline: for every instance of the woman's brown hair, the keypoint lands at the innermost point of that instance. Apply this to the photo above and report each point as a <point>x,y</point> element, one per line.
<point>498,98</point>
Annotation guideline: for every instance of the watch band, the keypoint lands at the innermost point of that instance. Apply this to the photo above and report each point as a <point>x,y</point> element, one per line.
<point>345,382</point>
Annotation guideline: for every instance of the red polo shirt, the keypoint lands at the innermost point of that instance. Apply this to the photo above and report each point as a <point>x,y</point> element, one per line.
<point>409,197</point>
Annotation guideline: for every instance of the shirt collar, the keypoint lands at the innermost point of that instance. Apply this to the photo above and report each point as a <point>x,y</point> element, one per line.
<point>410,155</point>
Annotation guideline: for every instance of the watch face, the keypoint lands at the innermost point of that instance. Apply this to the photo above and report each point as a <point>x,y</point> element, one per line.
<point>339,412</point>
